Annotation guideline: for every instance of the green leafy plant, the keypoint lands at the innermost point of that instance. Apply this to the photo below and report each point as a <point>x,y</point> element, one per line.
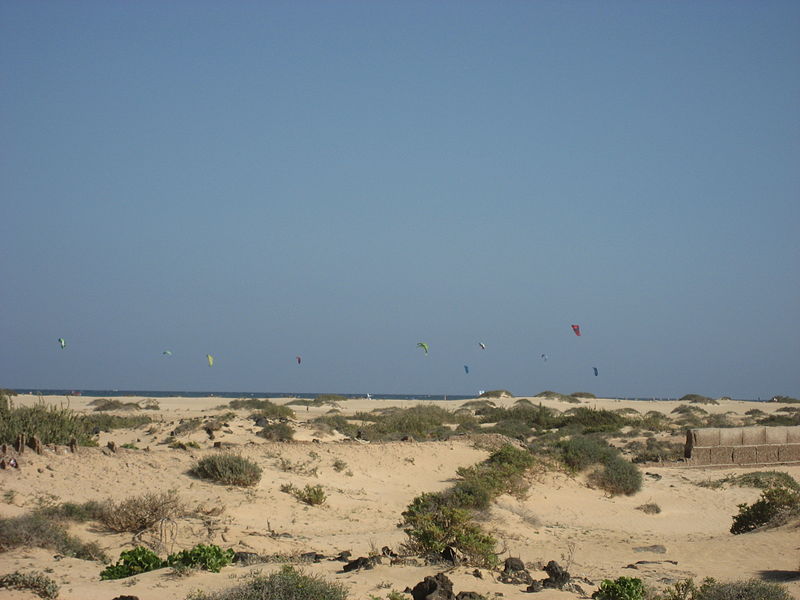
<point>622,588</point>
<point>133,562</point>
<point>209,558</point>
<point>775,503</point>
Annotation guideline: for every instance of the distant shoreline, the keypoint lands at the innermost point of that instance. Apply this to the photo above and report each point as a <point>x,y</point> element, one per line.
<point>308,395</point>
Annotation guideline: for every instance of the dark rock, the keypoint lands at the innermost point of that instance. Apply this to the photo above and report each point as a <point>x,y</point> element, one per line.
<point>469,596</point>
<point>513,564</point>
<point>344,556</point>
<point>656,548</point>
<point>361,562</point>
<point>312,556</point>
<point>556,576</point>
<point>406,438</point>
<point>127,598</point>
<point>535,586</point>
<point>386,551</point>
<point>477,573</point>
<point>438,587</point>
<point>245,557</point>
<point>261,422</point>
<point>217,444</point>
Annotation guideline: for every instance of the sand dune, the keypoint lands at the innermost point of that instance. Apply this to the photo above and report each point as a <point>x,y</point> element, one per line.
<point>559,518</point>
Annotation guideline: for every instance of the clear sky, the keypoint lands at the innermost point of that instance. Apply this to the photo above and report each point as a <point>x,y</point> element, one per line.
<point>341,180</point>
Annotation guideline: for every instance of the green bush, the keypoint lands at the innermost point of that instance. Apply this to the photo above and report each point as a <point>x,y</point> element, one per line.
<point>496,394</point>
<point>133,562</point>
<point>39,531</point>
<point>583,395</point>
<point>229,469</point>
<point>39,584</point>
<point>286,584</point>
<point>618,476</point>
<point>277,432</point>
<point>622,588</point>
<point>580,452</point>
<point>209,558</point>
<point>312,495</point>
<point>775,505</point>
<point>697,399</point>
<point>654,450</point>
<point>589,420</point>
<point>51,424</point>
<point>431,525</point>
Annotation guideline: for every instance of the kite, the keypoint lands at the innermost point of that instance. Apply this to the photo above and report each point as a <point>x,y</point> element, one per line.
<point>482,345</point>
<point>544,357</point>
<point>595,371</point>
<point>424,346</point>
<point>210,360</point>
<point>298,359</point>
<point>167,353</point>
<point>62,342</point>
<point>466,369</point>
<point>576,329</point>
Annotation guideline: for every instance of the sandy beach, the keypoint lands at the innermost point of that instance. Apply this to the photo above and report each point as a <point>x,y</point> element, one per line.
<point>368,485</point>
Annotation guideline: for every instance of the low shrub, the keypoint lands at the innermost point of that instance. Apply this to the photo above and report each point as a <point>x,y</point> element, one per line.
<point>339,465</point>
<point>38,531</point>
<point>103,404</point>
<point>286,584</point>
<point>775,506</point>
<point>133,562</point>
<point>697,399</point>
<point>711,589</point>
<point>653,450</point>
<point>51,424</point>
<point>583,395</point>
<point>618,476</point>
<point>70,511</point>
<point>312,495</point>
<point>138,513</point>
<point>757,479</point>
<point>785,399</point>
<point>277,432</point>
<point>496,394</point>
<point>103,422</point>
<point>431,525</point>
<point>229,469</point>
<point>651,508</point>
<point>580,452</point>
<point>622,588</point>
<point>38,583</point>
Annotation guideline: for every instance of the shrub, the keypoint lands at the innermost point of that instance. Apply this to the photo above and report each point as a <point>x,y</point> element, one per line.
<point>229,469</point>
<point>622,588</point>
<point>785,399</point>
<point>656,451</point>
<point>651,508</point>
<point>105,422</point>
<point>582,395</point>
<point>581,452</point>
<point>697,399</point>
<point>757,479</point>
<point>277,432</point>
<point>51,424</point>
<point>138,513</point>
<point>431,525</point>
<point>209,558</point>
<point>36,530</point>
<point>312,495</point>
<point>133,562</point>
<point>590,420</point>
<point>339,465</point>
<point>775,504</point>
<point>103,404</point>
<point>39,584</point>
<point>70,511</point>
<point>496,394</point>
<point>286,584</point>
<point>736,590</point>
<point>618,476</point>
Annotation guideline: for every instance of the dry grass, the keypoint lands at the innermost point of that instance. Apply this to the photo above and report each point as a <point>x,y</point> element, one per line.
<point>138,513</point>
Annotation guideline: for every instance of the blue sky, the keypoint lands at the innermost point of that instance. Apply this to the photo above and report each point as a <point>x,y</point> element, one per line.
<point>342,180</point>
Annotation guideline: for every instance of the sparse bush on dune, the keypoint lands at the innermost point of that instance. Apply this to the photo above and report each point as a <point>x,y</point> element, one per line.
<point>277,432</point>
<point>138,513</point>
<point>338,423</point>
<point>228,469</point>
<point>618,476</point>
<point>103,404</point>
<point>697,399</point>
<point>776,506</point>
<point>265,408</point>
<point>38,583</point>
<point>496,394</point>
<point>711,589</point>
<point>37,531</point>
<point>583,395</point>
<point>756,479</point>
<point>653,450</point>
<point>105,422</point>
<point>785,399</point>
<point>71,511</point>
<point>780,420</point>
<point>286,584</point>
<point>478,404</point>
<point>50,424</point>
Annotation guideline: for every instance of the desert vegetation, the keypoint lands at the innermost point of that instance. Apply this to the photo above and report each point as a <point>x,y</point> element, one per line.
<point>228,469</point>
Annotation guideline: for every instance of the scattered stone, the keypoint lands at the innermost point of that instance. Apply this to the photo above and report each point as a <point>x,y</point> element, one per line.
<point>344,556</point>
<point>513,564</point>
<point>386,551</point>
<point>438,587</point>
<point>477,573</point>
<point>127,598</point>
<point>314,557</point>
<point>361,562</point>
<point>469,596</point>
<point>556,576</point>
<point>515,573</point>
<point>656,548</point>
<point>246,558</point>
<point>217,444</point>
<point>112,446</point>
<point>654,476</point>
